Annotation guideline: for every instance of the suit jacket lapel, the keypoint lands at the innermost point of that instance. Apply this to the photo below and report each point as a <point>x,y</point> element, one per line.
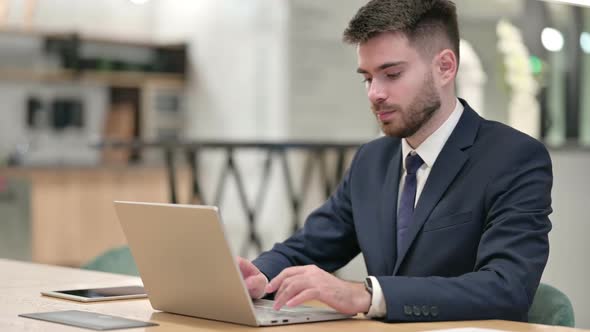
<point>389,210</point>
<point>449,163</point>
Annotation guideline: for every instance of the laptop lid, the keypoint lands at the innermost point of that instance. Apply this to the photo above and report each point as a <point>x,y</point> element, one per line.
<point>185,262</point>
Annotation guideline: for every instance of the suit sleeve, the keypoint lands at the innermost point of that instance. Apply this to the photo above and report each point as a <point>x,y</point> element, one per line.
<point>328,238</point>
<point>511,256</point>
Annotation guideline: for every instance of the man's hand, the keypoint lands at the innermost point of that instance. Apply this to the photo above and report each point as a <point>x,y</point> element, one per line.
<point>254,279</point>
<point>296,285</point>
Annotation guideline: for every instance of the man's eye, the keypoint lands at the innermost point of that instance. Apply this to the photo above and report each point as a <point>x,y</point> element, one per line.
<point>394,76</point>
<point>367,80</point>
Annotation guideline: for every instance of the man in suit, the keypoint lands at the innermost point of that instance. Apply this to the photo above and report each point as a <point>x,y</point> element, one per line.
<point>450,211</point>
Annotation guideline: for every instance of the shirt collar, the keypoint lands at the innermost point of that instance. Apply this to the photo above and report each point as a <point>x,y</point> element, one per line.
<point>433,145</point>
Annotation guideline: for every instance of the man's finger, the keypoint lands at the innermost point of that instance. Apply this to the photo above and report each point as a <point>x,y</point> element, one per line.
<point>255,285</point>
<point>274,284</point>
<point>291,287</point>
<point>280,293</point>
<point>247,268</point>
<point>304,296</point>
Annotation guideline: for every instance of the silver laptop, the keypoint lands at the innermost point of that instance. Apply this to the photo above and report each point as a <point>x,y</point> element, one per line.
<point>187,267</point>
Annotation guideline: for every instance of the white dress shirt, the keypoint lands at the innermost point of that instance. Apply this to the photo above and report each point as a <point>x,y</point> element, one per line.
<point>428,151</point>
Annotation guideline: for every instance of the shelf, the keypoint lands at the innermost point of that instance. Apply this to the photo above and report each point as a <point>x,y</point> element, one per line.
<point>115,79</point>
<point>165,63</point>
<point>58,34</point>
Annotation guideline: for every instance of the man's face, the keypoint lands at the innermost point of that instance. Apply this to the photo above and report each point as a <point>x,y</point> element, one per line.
<point>400,84</point>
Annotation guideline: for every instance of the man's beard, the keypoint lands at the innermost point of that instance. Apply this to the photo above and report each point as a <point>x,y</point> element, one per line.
<point>420,110</point>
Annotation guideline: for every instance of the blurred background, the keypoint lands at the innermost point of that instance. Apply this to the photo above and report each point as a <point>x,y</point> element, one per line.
<point>254,106</point>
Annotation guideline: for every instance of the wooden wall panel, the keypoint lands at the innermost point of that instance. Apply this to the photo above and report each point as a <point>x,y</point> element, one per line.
<point>72,213</point>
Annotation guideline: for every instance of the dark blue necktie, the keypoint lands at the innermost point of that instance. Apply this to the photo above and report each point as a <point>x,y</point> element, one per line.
<point>405,212</point>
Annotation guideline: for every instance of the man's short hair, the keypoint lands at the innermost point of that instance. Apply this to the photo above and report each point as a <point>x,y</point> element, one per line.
<point>423,22</point>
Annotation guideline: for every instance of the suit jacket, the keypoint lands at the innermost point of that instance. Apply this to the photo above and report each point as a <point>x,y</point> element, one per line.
<point>478,243</point>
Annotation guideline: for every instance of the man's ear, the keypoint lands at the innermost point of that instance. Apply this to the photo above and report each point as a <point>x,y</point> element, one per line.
<point>445,66</point>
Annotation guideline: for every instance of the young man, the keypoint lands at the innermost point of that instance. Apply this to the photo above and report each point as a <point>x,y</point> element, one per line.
<point>449,210</point>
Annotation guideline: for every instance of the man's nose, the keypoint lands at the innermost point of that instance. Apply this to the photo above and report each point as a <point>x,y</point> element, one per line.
<point>376,93</point>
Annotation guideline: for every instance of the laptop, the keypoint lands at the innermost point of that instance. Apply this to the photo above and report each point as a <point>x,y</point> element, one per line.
<point>188,268</point>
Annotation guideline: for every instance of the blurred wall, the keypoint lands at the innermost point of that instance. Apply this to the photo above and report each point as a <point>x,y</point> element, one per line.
<point>113,18</point>
<point>327,99</point>
<point>238,57</point>
<point>270,69</point>
<point>569,267</point>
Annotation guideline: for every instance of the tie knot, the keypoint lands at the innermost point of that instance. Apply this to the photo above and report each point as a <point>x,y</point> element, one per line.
<point>413,162</point>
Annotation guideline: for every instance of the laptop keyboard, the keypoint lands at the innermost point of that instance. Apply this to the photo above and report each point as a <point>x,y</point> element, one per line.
<point>266,311</point>
<point>264,307</point>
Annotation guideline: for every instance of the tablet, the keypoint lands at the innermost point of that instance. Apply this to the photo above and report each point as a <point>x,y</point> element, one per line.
<point>99,294</point>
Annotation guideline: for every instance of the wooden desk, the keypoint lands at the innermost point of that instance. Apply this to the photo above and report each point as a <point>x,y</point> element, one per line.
<point>20,284</point>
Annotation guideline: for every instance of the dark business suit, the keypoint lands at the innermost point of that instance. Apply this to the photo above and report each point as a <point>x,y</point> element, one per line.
<point>477,244</point>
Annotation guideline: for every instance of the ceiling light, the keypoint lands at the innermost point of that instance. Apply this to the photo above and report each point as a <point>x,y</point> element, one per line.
<point>585,42</point>
<point>552,39</point>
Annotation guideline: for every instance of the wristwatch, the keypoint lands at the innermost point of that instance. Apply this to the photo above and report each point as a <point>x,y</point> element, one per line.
<point>369,288</point>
